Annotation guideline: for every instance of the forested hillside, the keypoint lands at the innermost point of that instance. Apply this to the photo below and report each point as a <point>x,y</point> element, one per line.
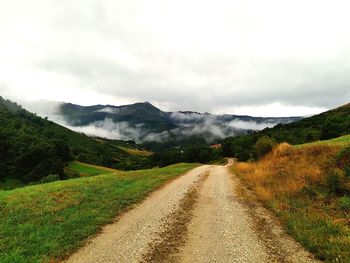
<point>323,126</point>
<point>32,147</point>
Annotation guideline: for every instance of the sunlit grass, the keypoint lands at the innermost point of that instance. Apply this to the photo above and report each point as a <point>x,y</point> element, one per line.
<point>84,169</point>
<point>340,141</point>
<point>48,221</point>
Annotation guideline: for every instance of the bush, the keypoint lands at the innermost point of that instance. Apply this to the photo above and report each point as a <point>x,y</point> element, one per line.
<point>264,145</point>
<point>344,203</point>
<point>50,178</point>
<point>334,182</point>
<point>343,158</point>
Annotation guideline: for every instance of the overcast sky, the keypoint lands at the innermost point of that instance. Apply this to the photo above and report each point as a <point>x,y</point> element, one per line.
<point>267,58</point>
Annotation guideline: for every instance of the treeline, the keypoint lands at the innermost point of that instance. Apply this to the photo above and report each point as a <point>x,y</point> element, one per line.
<point>25,151</point>
<point>324,126</point>
<point>193,150</point>
<point>31,148</point>
<point>201,153</point>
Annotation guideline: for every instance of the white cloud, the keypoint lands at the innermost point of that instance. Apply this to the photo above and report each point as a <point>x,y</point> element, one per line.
<point>269,57</point>
<point>250,125</point>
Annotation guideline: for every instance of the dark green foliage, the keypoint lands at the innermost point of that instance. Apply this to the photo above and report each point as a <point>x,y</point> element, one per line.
<point>326,125</point>
<point>191,153</point>
<point>241,147</point>
<point>50,178</point>
<point>333,181</point>
<point>25,152</point>
<point>32,147</point>
<point>264,145</point>
<point>343,158</point>
<point>134,162</point>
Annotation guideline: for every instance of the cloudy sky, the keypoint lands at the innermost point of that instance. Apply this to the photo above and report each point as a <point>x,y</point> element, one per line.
<point>254,57</point>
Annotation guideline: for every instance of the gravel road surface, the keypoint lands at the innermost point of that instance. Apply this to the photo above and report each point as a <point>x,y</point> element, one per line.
<point>198,217</point>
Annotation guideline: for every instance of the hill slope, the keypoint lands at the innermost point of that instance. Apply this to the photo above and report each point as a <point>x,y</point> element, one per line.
<point>32,147</point>
<point>39,223</point>
<point>308,187</point>
<point>323,126</point>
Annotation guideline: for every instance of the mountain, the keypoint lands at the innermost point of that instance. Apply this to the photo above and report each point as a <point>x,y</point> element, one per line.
<point>32,147</point>
<point>144,122</point>
<point>323,126</point>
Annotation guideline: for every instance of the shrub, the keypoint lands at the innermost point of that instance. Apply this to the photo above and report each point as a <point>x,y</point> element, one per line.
<point>343,158</point>
<point>264,145</point>
<point>333,182</point>
<point>344,203</point>
<point>50,178</point>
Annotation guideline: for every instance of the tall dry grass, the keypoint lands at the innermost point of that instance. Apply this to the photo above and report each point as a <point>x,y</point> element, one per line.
<point>297,184</point>
<point>287,170</point>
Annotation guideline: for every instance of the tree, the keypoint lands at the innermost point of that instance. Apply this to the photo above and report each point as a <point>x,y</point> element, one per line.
<point>264,145</point>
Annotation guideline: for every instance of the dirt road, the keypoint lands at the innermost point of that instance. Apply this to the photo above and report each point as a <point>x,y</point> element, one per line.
<point>196,218</point>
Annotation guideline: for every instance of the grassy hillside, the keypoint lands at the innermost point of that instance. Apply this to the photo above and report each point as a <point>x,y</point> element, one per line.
<point>84,169</point>
<point>45,222</point>
<point>32,147</point>
<point>340,141</point>
<point>327,125</point>
<point>308,187</point>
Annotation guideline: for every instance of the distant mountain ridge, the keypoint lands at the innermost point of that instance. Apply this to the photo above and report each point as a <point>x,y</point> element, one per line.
<point>145,122</point>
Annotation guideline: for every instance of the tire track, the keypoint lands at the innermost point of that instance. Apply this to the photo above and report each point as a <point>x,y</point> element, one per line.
<point>175,226</point>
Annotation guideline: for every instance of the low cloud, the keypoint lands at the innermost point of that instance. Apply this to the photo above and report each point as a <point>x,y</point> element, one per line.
<point>207,129</point>
<point>251,125</point>
<point>110,129</point>
<point>107,110</point>
<point>211,127</point>
<point>185,116</point>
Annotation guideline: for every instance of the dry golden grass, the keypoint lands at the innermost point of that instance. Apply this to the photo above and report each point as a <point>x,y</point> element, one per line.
<point>295,183</point>
<point>287,170</point>
<point>137,152</point>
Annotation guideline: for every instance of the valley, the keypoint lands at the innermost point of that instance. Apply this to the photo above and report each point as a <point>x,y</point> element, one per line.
<point>283,195</point>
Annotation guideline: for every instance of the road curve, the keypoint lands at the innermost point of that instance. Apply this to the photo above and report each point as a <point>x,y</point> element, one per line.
<point>196,218</point>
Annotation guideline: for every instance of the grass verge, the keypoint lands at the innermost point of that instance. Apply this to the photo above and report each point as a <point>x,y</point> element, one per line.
<point>308,192</point>
<point>46,222</point>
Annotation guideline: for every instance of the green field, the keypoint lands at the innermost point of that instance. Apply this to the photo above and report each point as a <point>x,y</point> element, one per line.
<point>84,169</point>
<point>341,141</point>
<point>46,222</point>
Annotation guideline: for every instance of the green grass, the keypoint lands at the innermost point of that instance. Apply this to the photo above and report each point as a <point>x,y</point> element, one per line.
<point>10,183</point>
<point>87,169</point>
<point>341,141</point>
<point>45,222</point>
<point>321,230</point>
